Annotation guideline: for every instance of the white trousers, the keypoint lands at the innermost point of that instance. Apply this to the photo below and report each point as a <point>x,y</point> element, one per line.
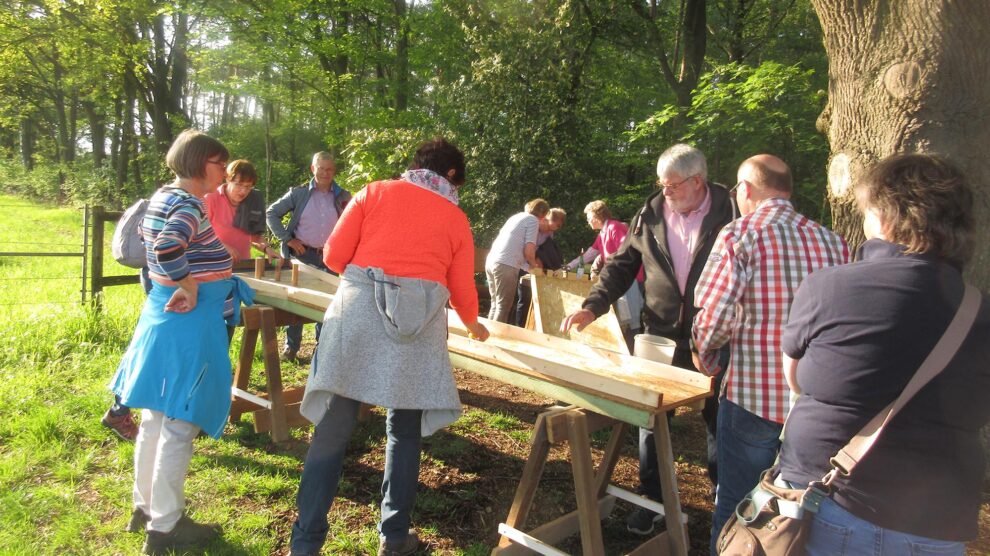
<point>161,459</point>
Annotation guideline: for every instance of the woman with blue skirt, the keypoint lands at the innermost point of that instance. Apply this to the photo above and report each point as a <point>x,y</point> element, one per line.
<point>177,367</point>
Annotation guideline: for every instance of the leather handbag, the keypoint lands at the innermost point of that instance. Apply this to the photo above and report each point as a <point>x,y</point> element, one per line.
<point>773,519</point>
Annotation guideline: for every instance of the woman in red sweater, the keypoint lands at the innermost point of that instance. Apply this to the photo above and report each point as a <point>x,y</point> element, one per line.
<point>403,249</point>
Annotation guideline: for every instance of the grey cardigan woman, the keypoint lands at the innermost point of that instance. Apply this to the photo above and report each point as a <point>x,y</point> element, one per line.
<point>403,248</point>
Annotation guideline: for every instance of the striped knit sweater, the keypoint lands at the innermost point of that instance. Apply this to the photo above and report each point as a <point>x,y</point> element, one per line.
<point>179,239</point>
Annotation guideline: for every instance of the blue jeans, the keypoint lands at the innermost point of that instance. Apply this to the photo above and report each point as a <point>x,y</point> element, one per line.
<point>747,446</point>
<point>325,460</point>
<point>836,532</point>
<point>649,471</point>
<point>293,332</point>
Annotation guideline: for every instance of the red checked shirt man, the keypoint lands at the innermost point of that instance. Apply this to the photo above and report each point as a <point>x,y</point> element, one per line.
<point>744,295</point>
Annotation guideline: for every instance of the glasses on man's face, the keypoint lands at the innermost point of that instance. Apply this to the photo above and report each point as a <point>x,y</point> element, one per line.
<point>220,163</point>
<point>663,185</point>
<point>735,187</point>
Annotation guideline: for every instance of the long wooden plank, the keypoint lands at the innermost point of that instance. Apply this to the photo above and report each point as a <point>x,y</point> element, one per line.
<point>638,416</point>
<point>600,375</point>
<point>542,364</point>
<point>291,306</point>
<point>330,279</point>
<point>571,365</point>
<point>594,357</point>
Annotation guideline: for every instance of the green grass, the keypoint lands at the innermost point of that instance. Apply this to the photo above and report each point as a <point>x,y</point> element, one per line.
<point>65,481</point>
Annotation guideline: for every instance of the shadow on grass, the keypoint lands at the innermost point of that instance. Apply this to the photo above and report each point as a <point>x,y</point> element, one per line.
<point>468,478</point>
<point>526,412</point>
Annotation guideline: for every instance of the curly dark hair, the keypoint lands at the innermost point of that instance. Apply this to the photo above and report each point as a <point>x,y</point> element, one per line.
<point>923,202</point>
<point>440,156</point>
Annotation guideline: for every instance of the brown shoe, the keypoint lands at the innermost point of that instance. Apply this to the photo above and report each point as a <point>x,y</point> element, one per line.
<point>402,548</point>
<point>187,534</point>
<point>122,425</point>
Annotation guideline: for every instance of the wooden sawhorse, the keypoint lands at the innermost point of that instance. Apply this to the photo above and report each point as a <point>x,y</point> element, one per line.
<point>277,409</point>
<point>595,496</point>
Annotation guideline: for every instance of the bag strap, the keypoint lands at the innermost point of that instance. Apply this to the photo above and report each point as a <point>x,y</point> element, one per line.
<point>846,459</point>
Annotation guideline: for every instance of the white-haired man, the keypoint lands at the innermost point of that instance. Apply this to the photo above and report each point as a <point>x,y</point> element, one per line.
<point>670,237</point>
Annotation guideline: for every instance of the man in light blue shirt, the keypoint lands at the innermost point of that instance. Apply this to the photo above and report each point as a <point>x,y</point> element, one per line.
<point>315,206</point>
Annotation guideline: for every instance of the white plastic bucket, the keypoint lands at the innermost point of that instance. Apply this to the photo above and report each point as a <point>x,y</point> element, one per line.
<point>654,348</point>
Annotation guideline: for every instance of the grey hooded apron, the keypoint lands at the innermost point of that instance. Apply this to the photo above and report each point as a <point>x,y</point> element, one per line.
<point>384,342</point>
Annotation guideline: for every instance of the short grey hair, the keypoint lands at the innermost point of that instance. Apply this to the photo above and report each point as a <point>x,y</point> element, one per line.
<point>683,160</point>
<point>323,155</point>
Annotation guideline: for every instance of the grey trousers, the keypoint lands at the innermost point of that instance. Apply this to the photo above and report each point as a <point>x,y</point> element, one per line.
<point>502,283</point>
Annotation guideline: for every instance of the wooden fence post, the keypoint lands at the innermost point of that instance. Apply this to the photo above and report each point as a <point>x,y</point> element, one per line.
<point>97,219</point>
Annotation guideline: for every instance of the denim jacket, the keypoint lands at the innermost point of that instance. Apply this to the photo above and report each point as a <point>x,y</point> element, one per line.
<point>294,201</point>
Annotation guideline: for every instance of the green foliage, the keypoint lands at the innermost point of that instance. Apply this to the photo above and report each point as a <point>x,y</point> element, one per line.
<point>560,99</point>
<point>739,111</point>
<point>378,153</point>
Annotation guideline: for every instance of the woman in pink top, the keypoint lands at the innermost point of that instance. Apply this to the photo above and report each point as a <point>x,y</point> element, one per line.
<point>237,212</point>
<point>610,236</point>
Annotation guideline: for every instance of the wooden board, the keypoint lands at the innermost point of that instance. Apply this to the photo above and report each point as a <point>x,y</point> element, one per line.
<point>556,297</point>
<point>598,371</point>
<point>627,380</point>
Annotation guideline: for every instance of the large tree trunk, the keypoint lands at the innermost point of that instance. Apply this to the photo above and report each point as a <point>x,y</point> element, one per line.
<point>907,76</point>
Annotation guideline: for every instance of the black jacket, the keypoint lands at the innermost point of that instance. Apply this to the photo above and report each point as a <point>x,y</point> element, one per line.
<point>666,312</point>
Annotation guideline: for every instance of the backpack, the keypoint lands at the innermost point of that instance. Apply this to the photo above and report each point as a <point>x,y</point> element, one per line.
<point>127,245</point>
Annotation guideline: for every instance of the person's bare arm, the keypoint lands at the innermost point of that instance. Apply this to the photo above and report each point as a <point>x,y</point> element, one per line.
<point>529,251</point>
<point>790,373</point>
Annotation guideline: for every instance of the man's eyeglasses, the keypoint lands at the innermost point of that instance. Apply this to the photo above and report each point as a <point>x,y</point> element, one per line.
<point>663,185</point>
<point>735,187</point>
<point>221,163</point>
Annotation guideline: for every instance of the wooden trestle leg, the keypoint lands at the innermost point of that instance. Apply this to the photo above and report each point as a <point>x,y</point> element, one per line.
<point>273,374</point>
<point>591,488</point>
<point>276,409</point>
<point>676,528</point>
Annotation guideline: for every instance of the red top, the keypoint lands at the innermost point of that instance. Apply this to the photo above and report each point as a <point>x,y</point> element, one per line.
<point>221,214</point>
<point>408,231</point>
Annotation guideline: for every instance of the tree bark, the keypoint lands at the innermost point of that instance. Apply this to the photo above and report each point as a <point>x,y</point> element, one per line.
<point>681,63</point>
<point>126,124</point>
<point>97,132</point>
<point>27,143</point>
<point>907,76</point>
<point>401,56</point>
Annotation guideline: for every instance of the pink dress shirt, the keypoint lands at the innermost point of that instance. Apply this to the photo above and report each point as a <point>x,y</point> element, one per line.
<point>683,233</point>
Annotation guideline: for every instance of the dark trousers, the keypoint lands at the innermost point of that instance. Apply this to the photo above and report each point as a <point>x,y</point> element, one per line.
<point>524,297</point>
<point>649,471</point>
<point>325,462</point>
